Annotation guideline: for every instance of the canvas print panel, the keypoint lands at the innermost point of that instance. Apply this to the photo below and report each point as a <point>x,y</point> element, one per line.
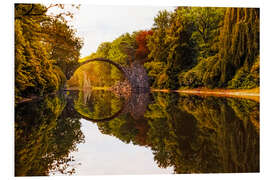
<point>103,90</point>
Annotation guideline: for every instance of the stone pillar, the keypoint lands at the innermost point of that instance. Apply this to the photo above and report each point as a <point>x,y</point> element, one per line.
<point>138,78</point>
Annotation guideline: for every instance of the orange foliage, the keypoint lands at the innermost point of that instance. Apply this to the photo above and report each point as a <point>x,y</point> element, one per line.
<point>141,138</point>
<point>141,40</point>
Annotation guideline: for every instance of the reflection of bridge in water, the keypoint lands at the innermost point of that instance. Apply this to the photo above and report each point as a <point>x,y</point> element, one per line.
<point>135,104</point>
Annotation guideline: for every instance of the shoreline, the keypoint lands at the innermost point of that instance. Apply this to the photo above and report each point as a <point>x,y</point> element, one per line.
<point>252,94</point>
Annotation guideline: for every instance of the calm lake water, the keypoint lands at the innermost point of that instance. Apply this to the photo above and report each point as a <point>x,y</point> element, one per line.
<point>98,132</point>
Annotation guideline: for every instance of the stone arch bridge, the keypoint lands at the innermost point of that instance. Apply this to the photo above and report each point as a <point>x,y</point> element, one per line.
<point>135,74</point>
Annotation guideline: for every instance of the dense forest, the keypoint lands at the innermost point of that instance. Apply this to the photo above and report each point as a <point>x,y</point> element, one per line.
<point>46,49</point>
<point>190,47</point>
<point>193,47</point>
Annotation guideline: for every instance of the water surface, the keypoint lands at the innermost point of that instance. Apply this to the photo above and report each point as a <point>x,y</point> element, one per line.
<point>98,132</point>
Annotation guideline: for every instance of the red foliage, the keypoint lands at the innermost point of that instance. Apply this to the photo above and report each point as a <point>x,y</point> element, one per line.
<point>141,40</point>
<point>141,138</point>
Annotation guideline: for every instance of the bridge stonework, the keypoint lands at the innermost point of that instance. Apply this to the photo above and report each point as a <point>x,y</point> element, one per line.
<point>137,76</point>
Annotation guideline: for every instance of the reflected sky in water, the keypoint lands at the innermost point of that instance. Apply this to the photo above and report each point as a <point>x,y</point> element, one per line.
<point>103,154</point>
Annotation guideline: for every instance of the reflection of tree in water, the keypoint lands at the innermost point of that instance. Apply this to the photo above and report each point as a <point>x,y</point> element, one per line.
<point>45,134</point>
<point>202,135</point>
<point>190,133</point>
<point>193,134</point>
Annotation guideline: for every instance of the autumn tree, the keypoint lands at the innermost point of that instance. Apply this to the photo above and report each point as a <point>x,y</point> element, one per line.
<point>45,48</point>
<point>35,72</point>
<point>142,51</point>
<point>65,46</point>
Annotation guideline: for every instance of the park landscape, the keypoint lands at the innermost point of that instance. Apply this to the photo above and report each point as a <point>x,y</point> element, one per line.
<point>186,90</point>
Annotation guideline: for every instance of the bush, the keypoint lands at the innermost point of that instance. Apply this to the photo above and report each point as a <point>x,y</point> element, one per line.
<point>203,74</point>
<point>245,78</point>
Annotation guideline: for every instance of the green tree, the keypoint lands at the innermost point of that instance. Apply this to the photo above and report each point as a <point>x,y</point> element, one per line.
<point>228,48</point>
<point>158,49</point>
<point>123,49</point>
<point>208,21</point>
<point>172,44</point>
<point>239,49</point>
<point>156,42</point>
<point>181,47</point>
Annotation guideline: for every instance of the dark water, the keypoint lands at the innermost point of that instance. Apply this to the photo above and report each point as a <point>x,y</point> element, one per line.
<point>85,133</point>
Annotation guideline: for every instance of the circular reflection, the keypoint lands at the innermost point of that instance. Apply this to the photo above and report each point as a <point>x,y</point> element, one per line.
<point>98,105</point>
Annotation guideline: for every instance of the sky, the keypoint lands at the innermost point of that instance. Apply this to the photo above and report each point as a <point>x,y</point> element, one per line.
<point>97,24</point>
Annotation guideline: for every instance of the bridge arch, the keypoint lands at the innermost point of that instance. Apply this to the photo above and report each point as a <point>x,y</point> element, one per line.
<point>135,74</point>
<point>118,66</point>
